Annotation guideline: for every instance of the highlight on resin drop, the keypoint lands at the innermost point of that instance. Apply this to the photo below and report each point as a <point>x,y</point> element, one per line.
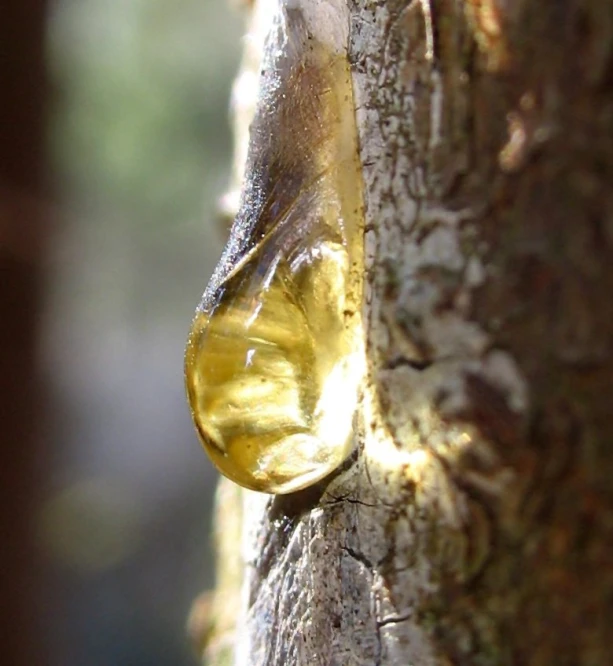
<point>275,353</point>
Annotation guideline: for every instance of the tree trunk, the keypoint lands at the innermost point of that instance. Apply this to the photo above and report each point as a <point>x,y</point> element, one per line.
<point>23,232</point>
<point>474,523</point>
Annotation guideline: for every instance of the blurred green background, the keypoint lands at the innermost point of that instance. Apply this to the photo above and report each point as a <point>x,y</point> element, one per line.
<point>141,149</point>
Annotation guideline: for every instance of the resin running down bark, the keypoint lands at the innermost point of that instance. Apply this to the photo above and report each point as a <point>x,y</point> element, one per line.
<point>275,353</point>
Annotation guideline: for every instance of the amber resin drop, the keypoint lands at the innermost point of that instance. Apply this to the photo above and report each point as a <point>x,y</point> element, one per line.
<point>274,358</point>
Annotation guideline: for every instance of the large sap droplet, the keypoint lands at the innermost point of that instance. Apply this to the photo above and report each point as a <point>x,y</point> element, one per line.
<point>275,353</point>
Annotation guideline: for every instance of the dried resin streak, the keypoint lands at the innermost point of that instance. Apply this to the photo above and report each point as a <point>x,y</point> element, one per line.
<point>275,353</point>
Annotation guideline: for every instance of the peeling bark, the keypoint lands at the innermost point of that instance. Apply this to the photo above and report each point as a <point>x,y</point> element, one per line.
<point>474,523</point>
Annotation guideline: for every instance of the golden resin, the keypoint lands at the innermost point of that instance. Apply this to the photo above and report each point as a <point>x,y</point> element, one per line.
<point>274,358</point>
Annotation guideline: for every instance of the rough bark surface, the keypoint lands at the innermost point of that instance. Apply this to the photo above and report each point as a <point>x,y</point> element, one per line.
<point>474,524</point>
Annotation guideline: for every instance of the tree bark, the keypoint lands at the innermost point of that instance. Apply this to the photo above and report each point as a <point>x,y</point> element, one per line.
<point>474,523</point>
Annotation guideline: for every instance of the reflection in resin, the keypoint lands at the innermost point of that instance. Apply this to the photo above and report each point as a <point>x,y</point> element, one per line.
<point>274,357</point>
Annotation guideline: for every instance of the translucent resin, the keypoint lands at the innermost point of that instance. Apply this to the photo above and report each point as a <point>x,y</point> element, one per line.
<point>274,358</point>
